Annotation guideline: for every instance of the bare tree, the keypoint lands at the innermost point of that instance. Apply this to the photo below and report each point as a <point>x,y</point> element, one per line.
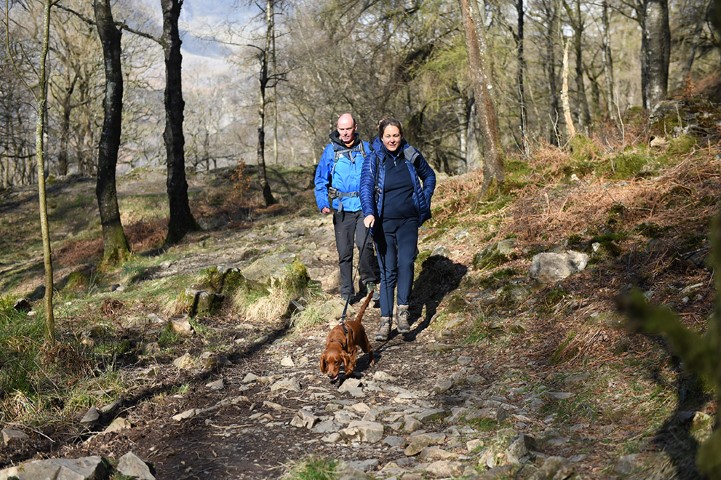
<point>570,128</point>
<point>74,87</point>
<point>549,22</point>
<point>577,22</point>
<point>181,219</point>
<point>482,86</point>
<point>18,101</point>
<point>652,16</point>
<point>266,81</point>
<point>607,59</point>
<point>115,244</point>
<point>655,52</point>
<point>40,127</point>
<point>523,113</point>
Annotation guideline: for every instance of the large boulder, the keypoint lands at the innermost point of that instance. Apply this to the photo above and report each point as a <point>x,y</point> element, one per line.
<point>551,267</point>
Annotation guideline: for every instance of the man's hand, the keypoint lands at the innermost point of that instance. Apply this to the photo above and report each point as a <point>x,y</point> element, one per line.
<point>369,221</point>
<point>325,210</point>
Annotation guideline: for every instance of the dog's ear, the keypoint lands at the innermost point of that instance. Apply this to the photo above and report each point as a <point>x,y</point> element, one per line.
<point>323,367</point>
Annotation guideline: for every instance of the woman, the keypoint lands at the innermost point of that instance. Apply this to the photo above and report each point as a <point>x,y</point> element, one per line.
<point>396,188</point>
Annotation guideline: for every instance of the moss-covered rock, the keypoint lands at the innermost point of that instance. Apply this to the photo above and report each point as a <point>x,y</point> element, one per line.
<point>495,254</point>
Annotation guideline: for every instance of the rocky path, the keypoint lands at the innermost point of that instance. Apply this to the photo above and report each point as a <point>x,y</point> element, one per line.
<point>412,412</point>
<point>433,405</point>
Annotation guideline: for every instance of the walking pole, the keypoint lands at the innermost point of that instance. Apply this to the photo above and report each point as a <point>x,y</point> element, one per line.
<point>360,253</point>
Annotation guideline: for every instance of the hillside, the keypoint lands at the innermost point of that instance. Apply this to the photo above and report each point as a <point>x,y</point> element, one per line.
<point>502,376</point>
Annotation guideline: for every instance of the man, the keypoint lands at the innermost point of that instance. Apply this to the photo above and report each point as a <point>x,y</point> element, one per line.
<point>337,182</point>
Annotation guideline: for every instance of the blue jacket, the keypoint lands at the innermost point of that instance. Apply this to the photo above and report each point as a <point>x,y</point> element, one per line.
<point>343,167</point>
<point>422,175</point>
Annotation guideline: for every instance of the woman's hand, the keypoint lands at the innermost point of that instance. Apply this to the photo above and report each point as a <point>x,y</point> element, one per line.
<point>369,220</point>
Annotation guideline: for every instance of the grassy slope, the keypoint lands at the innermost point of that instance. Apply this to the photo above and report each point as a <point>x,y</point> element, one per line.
<point>641,213</point>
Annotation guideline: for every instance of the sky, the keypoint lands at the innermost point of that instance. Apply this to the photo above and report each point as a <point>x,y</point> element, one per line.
<point>203,19</point>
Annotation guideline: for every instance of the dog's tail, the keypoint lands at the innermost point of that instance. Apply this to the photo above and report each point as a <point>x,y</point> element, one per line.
<point>363,307</point>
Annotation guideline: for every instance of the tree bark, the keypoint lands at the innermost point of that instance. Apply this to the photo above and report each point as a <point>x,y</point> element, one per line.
<point>483,90</point>
<point>552,18</point>
<point>570,129</point>
<point>585,116</point>
<point>263,79</point>
<point>694,40</point>
<point>607,59</point>
<point>115,244</point>
<point>519,78</point>
<point>42,100</point>
<point>67,109</point>
<point>655,53</point>
<point>181,219</point>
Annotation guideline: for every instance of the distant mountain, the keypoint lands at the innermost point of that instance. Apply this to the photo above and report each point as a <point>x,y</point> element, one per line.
<point>207,27</point>
<point>201,21</point>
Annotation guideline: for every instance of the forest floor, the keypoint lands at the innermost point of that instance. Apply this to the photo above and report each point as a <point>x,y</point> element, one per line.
<point>553,362</point>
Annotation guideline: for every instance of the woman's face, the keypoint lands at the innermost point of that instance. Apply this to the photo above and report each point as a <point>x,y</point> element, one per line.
<point>391,138</point>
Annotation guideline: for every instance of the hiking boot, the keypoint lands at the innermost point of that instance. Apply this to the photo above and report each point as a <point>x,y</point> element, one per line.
<point>402,319</point>
<point>384,330</point>
<point>372,287</point>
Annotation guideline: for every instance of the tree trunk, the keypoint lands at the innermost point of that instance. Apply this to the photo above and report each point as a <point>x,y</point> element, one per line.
<point>585,116</point>
<point>483,90</point>
<point>275,88</point>
<point>42,100</point>
<point>115,244</point>
<point>570,129</point>
<point>67,108</point>
<point>473,142</point>
<point>694,39</point>
<point>655,53</point>
<point>181,219</point>
<point>552,19</point>
<point>519,79</point>
<point>607,60</point>
<point>263,80</point>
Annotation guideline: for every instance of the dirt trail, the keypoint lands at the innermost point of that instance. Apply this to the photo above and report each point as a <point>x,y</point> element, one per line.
<point>252,437</point>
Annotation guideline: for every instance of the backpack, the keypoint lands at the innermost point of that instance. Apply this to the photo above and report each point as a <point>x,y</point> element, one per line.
<point>337,154</point>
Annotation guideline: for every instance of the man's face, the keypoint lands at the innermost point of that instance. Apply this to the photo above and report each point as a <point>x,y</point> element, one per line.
<point>346,129</point>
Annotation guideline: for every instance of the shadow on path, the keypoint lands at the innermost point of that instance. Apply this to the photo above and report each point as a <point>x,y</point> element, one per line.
<point>674,437</point>
<point>438,277</point>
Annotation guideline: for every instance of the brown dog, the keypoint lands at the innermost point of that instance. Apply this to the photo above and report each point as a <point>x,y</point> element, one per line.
<point>343,342</point>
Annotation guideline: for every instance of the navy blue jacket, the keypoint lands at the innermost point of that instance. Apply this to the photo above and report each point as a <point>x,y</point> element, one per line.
<point>422,176</point>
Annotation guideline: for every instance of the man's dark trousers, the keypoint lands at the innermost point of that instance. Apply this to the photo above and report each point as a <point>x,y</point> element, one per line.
<point>348,225</point>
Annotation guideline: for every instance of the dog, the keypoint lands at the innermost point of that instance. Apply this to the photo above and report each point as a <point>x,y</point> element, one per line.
<point>343,342</point>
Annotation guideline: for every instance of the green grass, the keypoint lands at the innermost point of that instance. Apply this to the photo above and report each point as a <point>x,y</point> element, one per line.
<point>169,337</point>
<point>309,317</point>
<point>44,383</point>
<point>480,331</point>
<point>484,424</point>
<point>21,338</point>
<point>313,468</point>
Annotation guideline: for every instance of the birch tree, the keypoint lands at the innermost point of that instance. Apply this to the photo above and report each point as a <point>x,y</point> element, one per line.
<point>655,52</point>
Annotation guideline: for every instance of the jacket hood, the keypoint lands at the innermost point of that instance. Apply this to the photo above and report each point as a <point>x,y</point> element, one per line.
<point>335,139</point>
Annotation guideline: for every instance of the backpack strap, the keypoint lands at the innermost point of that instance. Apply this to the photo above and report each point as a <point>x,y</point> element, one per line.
<point>332,192</point>
<point>411,153</point>
<point>339,153</point>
